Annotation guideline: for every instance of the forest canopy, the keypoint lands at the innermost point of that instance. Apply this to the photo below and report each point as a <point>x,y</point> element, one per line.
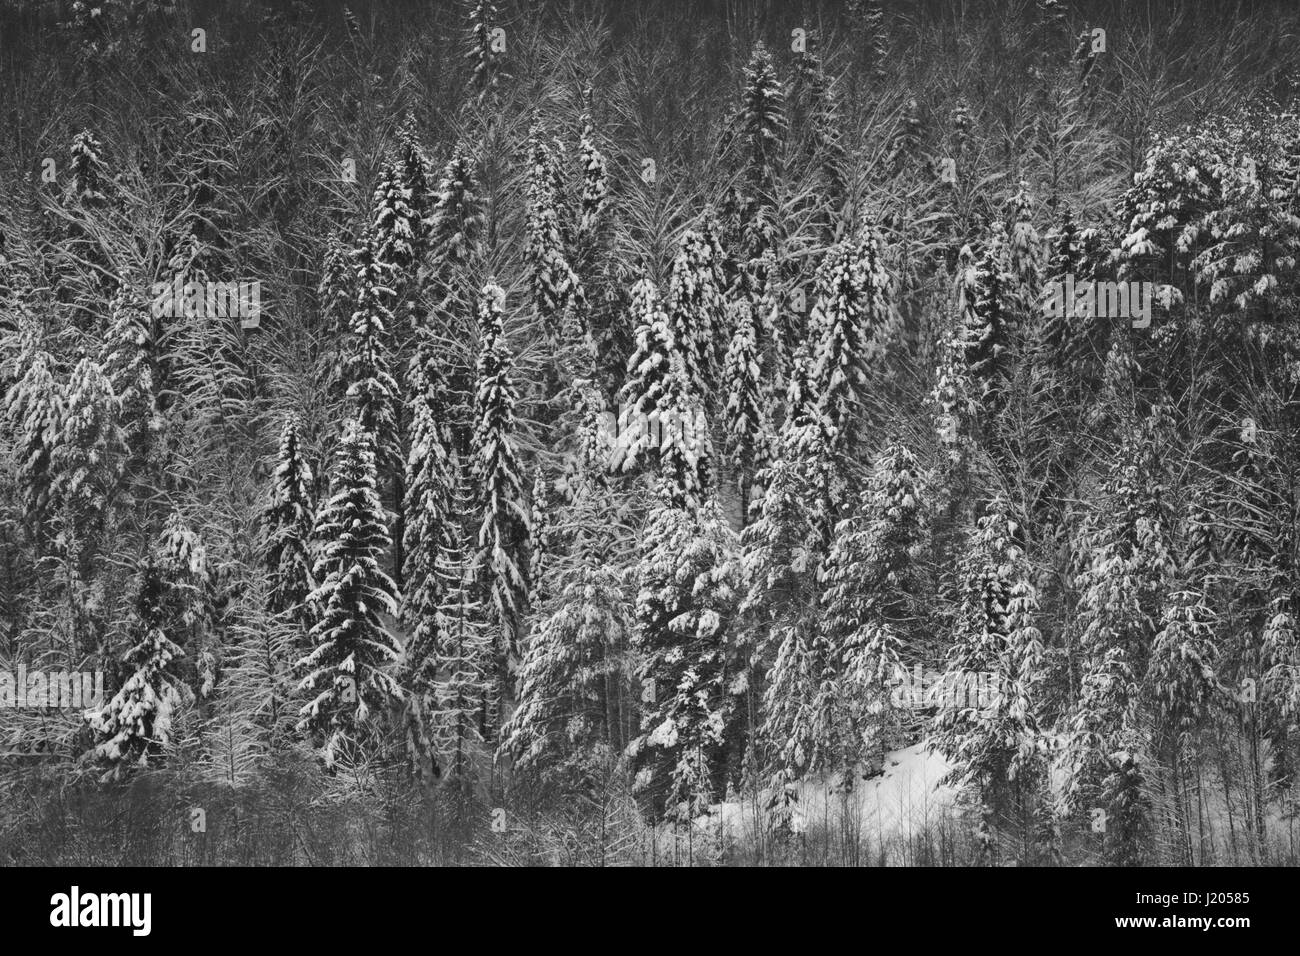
<point>587,432</point>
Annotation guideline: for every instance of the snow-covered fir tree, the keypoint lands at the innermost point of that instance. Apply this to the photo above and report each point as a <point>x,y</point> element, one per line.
<point>761,123</point>
<point>459,691</point>
<point>1025,254</point>
<point>483,53</point>
<point>804,726</point>
<point>829,682</point>
<point>504,536</point>
<point>1128,573</point>
<point>954,406</point>
<point>758,129</point>
<point>287,524</point>
<point>595,181</point>
<point>1064,259</point>
<point>194,583</point>
<point>543,545</point>
<point>456,231</point>
<point>873,577</point>
<point>787,539</point>
<point>34,410</point>
<point>850,319</point>
<point>988,322</point>
<point>86,455</point>
<point>648,369</point>
<point>749,434</point>
<point>687,593</point>
<point>562,723</point>
<point>431,532</point>
<point>456,219</point>
<point>89,180</point>
<point>555,286</point>
<point>347,675</point>
<point>128,363</point>
<point>826,140</point>
<point>985,719</point>
<point>696,310</point>
<point>573,680</point>
<point>1182,675</point>
<point>136,725</point>
<point>370,384</point>
<point>401,203</point>
<point>661,417</point>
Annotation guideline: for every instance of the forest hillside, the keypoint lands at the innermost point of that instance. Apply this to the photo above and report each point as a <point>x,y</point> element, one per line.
<point>579,433</point>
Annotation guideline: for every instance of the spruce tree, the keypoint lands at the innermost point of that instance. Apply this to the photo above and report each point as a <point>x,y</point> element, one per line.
<point>829,153</point>
<point>1064,260</point>
<point>758,129</point>
<point>34,409</point>
<point>661,418</point>
<point>128,363</point>
<point>197,597</point>
<point>830,680</point>
<point>370,385</point>
<point>456,219</point>
<point>686,598</point>
<point>1183,664</point>
<point>403,205</point>
<point>954,407</point>
<point>486,62</point>
<point>432,533</point>
<point>89,180</point>
<point>504,536</point>
<point>595,182</point>
<point>455,235</point>
<point>287,524</point>
<point>849,319</point>
<point>87,453</point>
<point>986,721</point>
<point>460,691</point>
<point>347,674</point>
<point>563,717</point>
<point>1025,255</point>
<point>555,286</point>
<point>135,726</point>
<point>803,725</point>
<point>648,369</point>
<point>430,485</point>
<point>1127,572</point>
<point>685,445</point>
<point>696,310</point>
<point>873,574</point>
<point>761,125</point>
<point>336,294</point>
<point>988,323</point>
<point>746,415</point>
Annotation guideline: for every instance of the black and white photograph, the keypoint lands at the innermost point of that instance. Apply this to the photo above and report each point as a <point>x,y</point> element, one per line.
<point>593,433</point>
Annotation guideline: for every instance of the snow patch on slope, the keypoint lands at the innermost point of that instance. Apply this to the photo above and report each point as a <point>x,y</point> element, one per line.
<point>903,801</point>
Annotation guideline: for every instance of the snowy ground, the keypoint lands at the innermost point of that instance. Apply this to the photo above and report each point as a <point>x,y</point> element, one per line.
<point>879,813</point>
<point>906,794</point>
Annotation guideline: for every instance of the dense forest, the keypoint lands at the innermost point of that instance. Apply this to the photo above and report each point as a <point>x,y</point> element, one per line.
<point>591,433</point>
